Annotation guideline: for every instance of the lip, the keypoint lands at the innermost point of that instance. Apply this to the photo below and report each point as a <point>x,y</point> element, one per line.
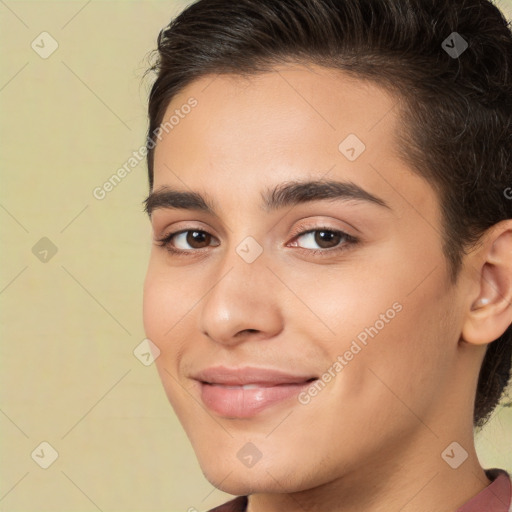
<point>244,392</point>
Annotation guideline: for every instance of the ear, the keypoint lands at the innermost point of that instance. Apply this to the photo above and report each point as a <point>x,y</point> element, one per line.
<point>490,312</point>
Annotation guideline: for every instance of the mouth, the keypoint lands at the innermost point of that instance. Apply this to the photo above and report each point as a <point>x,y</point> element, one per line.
<point>258,385</point>
<point>243,393</point>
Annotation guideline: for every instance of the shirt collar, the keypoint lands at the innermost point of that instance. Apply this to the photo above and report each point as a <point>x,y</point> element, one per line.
<point>496,497</point>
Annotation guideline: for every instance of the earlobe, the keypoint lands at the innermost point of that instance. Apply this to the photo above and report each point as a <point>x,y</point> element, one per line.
<point>490,314</point>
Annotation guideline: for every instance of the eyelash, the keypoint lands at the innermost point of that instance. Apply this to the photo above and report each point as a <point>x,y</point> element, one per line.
<point>348,241</point>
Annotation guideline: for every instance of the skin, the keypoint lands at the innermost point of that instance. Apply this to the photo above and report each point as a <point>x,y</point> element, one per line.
<point>372,439</point>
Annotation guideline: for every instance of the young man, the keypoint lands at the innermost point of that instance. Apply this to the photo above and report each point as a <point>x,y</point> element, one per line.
<point>330,285</point>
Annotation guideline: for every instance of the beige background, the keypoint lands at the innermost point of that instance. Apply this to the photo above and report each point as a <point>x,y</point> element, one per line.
<point>70,324</point>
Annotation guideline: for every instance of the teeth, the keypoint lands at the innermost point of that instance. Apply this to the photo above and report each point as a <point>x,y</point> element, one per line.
<point>251,386</point>
<point>246,386</point>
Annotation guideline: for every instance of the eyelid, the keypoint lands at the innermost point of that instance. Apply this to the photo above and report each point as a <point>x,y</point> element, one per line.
<point>308,227</point>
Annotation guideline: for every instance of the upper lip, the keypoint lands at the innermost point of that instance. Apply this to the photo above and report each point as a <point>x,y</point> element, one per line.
<point>249,375</point>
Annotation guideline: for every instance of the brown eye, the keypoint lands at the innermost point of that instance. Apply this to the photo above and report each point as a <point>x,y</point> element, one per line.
<point>187,241</point>
<point>327,239</point>
<point>321,239</point>
<point>196,239</point>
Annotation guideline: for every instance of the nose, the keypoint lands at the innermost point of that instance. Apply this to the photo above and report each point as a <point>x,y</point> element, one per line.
<point>243,302</point>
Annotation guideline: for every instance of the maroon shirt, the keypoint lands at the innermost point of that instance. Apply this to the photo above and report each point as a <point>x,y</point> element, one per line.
<point>496,497</point>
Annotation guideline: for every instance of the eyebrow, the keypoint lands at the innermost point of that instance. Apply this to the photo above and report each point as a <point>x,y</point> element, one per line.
<point>282,195</point>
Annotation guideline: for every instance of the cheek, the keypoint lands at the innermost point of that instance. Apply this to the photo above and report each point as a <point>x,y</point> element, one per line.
<point>159,317</point>
<point>167,299</point>
<point>155,314</point>
<point>391,320</point>
<point>408,354</point>
<point>334,304</point>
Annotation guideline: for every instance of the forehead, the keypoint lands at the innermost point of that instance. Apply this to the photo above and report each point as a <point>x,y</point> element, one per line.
<point>296,120</point>
<point>267,111</point>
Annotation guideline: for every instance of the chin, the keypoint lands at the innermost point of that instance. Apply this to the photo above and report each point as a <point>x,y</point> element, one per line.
<point>241,485</point>
<point>234,478</point>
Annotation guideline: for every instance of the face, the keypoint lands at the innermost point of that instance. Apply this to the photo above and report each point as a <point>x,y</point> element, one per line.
<point>330,302</point>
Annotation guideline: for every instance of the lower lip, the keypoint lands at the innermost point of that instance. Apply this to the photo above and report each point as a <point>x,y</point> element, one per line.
<point>236,402</point>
